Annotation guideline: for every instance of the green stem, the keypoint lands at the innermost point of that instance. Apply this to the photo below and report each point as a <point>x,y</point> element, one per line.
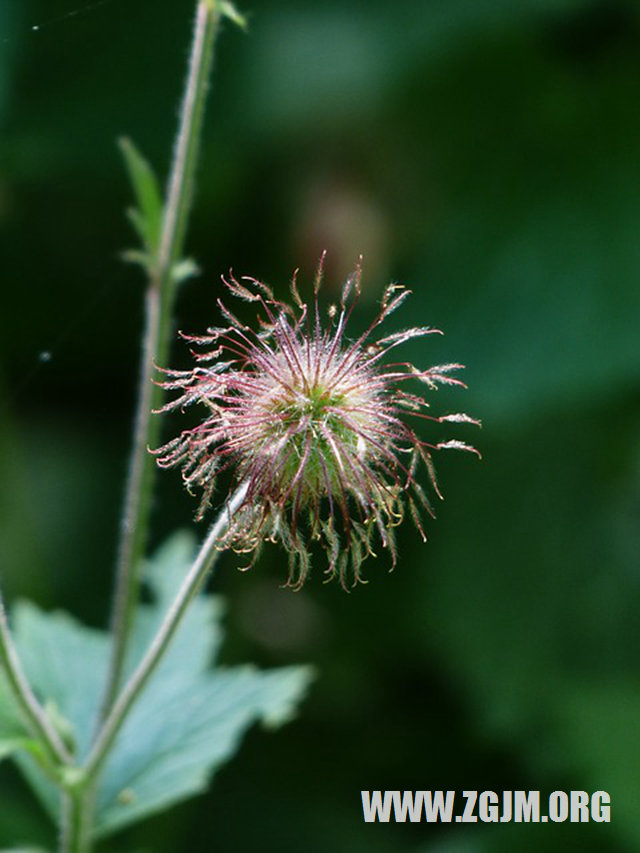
<point>159,309</point>
<point>190,586</point>
<point>75,828</point>
<point>55,752</point>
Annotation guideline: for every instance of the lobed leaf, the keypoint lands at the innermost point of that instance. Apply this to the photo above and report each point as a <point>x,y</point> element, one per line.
<point>189,720</point>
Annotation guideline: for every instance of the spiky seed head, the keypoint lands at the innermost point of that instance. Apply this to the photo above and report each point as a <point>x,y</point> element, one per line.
<point>314,424</point>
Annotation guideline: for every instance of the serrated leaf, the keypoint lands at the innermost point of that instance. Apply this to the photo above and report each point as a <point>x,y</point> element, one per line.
<point>197,641</point>
<point>189,720</point>
<point>177,737</point>
<point>147,219</point>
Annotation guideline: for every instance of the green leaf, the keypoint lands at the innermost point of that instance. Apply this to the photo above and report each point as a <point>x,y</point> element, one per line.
<point>596,723</point>
<point>189,720</point>
<point>65,663</point>
<point>228,10</point>
<point>139,224</point>
<point>10,745</point>
<point>198,639</point>
<point>135,256</point>
<point>184,269</point>
<point>176,737</point>
<point>23,850</point>
<point>14,734</point>
<point>147,218</point>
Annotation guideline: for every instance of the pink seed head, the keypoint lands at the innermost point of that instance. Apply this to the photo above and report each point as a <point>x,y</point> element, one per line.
<point>314,424</point>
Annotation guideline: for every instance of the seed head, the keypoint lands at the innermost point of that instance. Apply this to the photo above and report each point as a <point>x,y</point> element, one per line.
<point>313,423</point>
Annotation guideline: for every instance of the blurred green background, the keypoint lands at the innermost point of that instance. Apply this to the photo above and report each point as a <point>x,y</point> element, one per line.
<point>487,154</point>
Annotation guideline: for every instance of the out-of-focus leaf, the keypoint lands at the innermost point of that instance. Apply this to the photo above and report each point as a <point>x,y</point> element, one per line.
<point>147,218</point>
<point>135,256</point>
<point>598,726</point>
<point>24,850</point>
<point>532,261</point>
<point>11,725</point>
<point>365,56</point>
<point>14,734</point>
<point>562,302</point>
<point>184,269</point>
<point>10,745</point>
<point>229,11</point>
<point>536,619</point>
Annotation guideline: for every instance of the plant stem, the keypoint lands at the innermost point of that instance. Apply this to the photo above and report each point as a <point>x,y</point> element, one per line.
<point>159,308</point>
<point>75,835</point>
<point>55,751</point>
<point>189,588</point>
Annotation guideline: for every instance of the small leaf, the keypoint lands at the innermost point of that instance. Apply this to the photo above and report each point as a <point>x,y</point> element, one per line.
<point>135,256</point>
<point>228,10</point>
<point>148,217</point>
<point>184,269</point>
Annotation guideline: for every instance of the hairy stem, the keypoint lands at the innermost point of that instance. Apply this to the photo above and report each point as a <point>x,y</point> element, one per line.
<point>75,826</point>
<point>159,307</point>
<point>54,751</point>
<point>190,586</point>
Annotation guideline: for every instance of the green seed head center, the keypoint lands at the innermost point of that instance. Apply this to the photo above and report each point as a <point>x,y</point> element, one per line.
<point>316,404</point>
